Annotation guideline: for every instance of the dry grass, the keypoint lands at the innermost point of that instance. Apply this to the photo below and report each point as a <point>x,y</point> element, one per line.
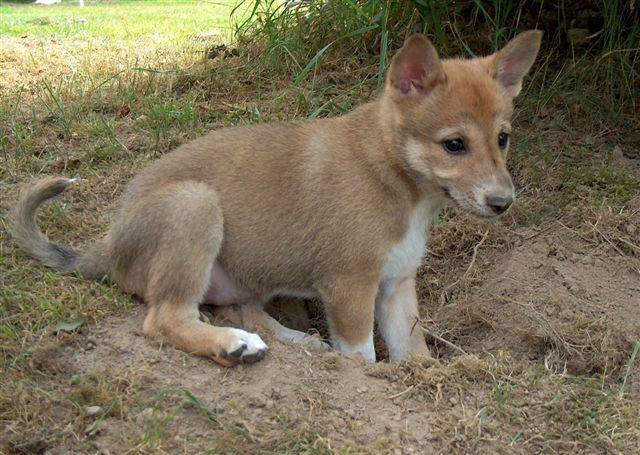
<point>100,109</point>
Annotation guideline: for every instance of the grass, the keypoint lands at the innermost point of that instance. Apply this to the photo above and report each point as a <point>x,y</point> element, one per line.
<point>100,91</point>
<point>502,404</point>
<point>118,21</point>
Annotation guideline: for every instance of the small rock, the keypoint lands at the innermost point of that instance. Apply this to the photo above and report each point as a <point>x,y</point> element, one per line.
<point>96,427</point>
<point>256,402</point>
<point>566,314</point>
<point>570,285</point>
<point>617,153</point>
<point>588,260</point>
<point>143,416</point>
<point>631,229</point>
<point>92,410</point>
<point>588,140</point>
<point>276,395</point>
<point>209,35</point>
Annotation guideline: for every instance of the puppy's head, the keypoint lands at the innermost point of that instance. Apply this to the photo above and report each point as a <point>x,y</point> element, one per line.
<point>451,118</point>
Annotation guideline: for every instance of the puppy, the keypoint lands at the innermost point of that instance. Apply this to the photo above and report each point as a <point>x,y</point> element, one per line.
<point>336,208</point>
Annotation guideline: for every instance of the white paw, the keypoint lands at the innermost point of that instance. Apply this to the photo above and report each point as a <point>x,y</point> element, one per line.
<point>365,349</point>
<point>245,347</point>
<point>310,341</point>
<point>315,343</point>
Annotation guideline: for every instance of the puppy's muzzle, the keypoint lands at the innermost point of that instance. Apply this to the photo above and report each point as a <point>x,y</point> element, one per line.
<point>499,203</point>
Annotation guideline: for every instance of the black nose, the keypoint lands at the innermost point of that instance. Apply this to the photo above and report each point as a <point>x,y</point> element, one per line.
<point>499,204</point>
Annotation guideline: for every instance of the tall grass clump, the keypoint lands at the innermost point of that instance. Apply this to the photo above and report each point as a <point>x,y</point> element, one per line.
<point>587,43</point>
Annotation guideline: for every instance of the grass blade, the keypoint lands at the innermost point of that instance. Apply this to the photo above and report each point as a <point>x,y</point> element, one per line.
<point>629,366</point>
<point>313,62</point>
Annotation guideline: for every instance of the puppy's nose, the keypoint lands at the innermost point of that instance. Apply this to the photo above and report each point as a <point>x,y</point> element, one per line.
<point>499,204</point>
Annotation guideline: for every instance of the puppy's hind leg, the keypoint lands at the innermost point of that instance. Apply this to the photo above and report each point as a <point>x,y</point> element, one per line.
<point>252,315</point>
<point>189,230</point>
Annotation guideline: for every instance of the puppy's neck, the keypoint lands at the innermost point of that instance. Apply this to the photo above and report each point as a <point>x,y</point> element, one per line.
<point>377,146</point>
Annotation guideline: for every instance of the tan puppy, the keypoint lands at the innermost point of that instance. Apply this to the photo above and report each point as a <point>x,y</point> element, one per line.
<point>335,208</point>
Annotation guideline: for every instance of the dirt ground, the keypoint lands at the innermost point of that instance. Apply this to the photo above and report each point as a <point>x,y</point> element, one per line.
<point>522,313</point>
<point>533,326</point>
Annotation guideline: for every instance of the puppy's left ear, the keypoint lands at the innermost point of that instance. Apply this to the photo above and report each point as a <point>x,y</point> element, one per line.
<point>511,63</point>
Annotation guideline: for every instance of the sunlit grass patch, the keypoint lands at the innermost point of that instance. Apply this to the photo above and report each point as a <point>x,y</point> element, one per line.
<point>134,22</point>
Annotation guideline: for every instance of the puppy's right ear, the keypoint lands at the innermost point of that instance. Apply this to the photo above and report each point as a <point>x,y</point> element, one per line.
<point>416,69</point>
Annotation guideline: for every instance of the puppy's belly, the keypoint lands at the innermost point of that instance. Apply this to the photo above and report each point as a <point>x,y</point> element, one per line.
<point>223,290</point>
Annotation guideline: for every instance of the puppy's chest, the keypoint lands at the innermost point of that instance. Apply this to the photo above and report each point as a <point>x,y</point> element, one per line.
<point>406,255</point>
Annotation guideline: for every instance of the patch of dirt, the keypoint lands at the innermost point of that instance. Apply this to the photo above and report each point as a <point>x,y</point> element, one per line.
<point>555,297</point>
<point>547,306</point>
<point>339,393</point>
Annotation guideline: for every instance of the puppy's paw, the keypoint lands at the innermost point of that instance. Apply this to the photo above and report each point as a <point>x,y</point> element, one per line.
<point>242,347</point>
<point>314,343</point>
<point>304,339</point>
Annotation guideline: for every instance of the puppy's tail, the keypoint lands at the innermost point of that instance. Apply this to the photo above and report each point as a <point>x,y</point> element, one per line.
<point>92,263</point>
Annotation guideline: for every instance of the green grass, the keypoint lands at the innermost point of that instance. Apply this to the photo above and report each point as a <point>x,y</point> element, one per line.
<point>301,39</point>
<point>127,21</point>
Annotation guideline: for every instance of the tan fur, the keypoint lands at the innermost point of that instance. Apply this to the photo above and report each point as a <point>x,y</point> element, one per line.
<point>311,208</point>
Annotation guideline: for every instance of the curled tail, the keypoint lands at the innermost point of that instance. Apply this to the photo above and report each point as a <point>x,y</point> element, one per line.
<point>89,264</point>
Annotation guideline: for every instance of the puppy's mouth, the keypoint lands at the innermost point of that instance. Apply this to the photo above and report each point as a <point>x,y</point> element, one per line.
<point>481,212</point>
<point>447,192</point>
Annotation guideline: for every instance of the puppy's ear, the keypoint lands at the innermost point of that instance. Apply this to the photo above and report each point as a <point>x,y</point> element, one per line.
<point>511,63</point>
<point>416,69</point>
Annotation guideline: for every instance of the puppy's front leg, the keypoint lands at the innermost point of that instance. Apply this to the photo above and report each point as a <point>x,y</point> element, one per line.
<point>397,318</point>
<point>350,306</point>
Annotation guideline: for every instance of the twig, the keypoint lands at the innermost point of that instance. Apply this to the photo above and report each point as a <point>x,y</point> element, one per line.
<point>631,244</point>
<point>408,389</point>
<point>606,238</point>
<point>475,253</point>
<point>576,233</point>
<point>530,236</point>
<point>447,342</point>
<point>464,276</point>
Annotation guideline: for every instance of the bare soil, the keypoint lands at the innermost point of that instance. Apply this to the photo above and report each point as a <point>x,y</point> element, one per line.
<point>539,298</point>
<point>552,306</point>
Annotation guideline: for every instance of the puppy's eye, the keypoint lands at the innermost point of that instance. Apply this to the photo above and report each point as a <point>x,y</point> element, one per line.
<point>454,146</point>
<point>503,140</point>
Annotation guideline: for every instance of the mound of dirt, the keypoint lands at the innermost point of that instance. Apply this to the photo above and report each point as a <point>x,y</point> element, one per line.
<point>552,297</point>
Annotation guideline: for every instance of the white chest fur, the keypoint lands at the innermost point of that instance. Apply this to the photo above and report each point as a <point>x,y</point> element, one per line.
<point>406,256</point>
